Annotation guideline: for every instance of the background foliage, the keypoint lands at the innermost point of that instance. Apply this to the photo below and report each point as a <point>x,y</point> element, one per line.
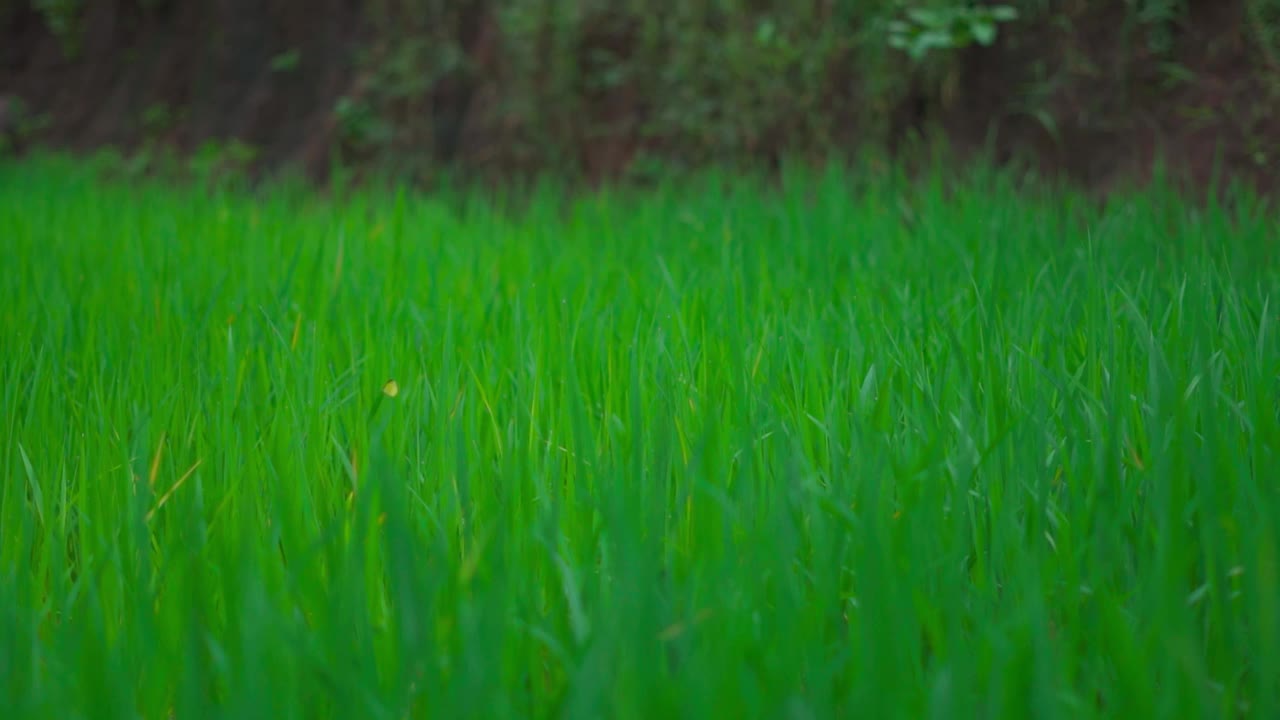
<point>608,88</point>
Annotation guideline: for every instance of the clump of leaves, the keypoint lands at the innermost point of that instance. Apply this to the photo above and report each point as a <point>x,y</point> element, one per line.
<point>18,124</point>
<point>359,125</point>
<point>924,30</point>
<point>63,20</point>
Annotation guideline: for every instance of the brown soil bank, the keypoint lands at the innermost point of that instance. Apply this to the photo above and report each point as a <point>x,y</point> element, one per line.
<point>1092,90</point>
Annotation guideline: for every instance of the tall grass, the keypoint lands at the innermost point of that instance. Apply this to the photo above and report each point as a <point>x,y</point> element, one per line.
<point>856,446</point>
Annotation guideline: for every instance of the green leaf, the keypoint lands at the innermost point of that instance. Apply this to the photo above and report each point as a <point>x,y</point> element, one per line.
<point>765,32</point>
<point>984,33</point>
<point>936,39</point>
<point>923,16</point>
<point>867,393</point>
<point>1003,13</point>
<point>37,497</point>
<point>284,62</point>
<point>1047,121</point>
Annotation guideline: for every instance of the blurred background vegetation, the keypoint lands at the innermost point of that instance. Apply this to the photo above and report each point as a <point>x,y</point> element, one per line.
<point>1098,91</point>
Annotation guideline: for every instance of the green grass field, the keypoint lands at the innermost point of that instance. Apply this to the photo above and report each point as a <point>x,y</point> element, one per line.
<point>852,447</point>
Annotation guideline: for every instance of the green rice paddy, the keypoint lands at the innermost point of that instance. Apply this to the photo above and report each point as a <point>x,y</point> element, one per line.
<point>848,447</point>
